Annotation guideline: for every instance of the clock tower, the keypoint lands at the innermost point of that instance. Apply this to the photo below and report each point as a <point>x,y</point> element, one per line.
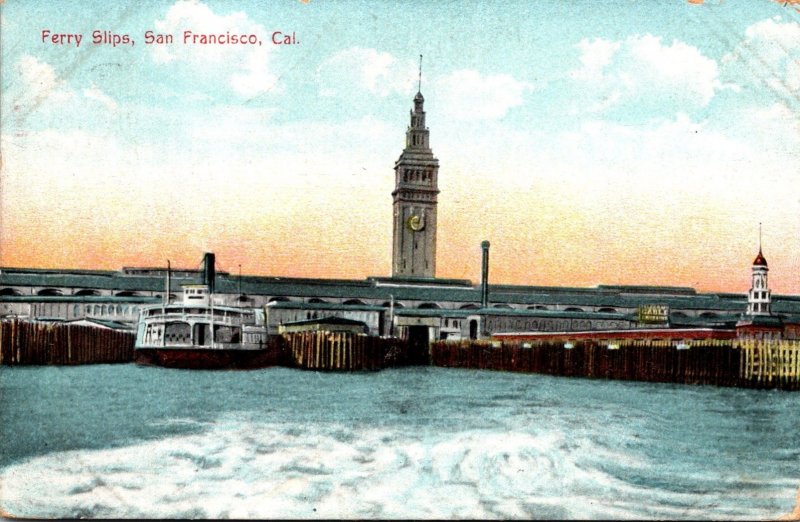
<point>415,191</point>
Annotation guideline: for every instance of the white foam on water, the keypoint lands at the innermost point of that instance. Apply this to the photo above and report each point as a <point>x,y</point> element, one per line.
<point>241,468</point>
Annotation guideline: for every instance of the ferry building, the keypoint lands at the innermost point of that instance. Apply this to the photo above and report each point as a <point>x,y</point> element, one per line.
<point>411,303</point>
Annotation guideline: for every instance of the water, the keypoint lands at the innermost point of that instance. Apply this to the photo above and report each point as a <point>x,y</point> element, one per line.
<point>128,441</point>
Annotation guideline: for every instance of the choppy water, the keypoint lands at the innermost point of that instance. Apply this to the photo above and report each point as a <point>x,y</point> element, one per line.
<point>130,441</point>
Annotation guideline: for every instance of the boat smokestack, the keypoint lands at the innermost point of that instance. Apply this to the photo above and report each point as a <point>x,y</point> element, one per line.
<point>209,274</point>
<point>485,275</point>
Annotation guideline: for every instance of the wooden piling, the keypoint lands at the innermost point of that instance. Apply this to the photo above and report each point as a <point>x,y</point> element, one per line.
<point>721,362</point>
<point>35,343</point>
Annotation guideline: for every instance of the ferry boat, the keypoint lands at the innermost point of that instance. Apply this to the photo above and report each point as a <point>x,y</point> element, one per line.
<point>199,333</point>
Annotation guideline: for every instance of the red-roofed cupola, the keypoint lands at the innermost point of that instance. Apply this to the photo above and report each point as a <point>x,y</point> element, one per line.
<point>760,260</point>
<point>759,299</point>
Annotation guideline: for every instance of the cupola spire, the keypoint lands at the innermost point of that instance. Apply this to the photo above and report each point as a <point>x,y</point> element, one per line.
<point>760,260</point>
<point>419,81</point>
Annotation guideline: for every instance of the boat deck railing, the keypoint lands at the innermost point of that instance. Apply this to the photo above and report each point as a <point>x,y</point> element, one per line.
<point>213,346</point>
<point>219,318</point>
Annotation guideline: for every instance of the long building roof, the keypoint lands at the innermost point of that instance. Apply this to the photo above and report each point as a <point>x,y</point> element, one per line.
<point>419,290</point>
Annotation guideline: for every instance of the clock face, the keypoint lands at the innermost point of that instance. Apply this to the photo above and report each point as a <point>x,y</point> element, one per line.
<point>415,223</point>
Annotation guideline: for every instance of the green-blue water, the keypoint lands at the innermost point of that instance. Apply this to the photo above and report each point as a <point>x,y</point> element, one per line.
<point>131,441</point>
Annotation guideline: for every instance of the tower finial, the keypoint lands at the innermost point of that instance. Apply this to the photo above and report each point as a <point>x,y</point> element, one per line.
<point>759,236</point>
<point>419,84</point>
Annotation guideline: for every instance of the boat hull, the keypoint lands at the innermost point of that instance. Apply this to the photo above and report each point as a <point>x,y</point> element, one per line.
<point>208,359</point>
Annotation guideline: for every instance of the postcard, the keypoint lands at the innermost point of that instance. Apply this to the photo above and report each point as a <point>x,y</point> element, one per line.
<point>418,180</point>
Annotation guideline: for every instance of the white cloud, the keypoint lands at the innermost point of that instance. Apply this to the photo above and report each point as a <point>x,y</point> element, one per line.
<point>36,89</point>
<point>769,54</point>
<point>774,128</point>
<point>595,56</point>
<point>94,93</point>
<point>39,82</point>
<point>244,67</point>
<point>377,72</point>
<point>643,75</point>
<point>467,95</point>
<point>38,77</point>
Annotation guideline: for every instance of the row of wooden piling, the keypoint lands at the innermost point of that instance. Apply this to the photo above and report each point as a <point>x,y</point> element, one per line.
<point>33,343</point>
<point>732,362</point>
<point>344,351</point>
<point>756,364</point>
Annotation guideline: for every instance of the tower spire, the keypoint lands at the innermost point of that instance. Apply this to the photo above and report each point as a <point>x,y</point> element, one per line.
<point>759,236</point>
<point>419,82</point>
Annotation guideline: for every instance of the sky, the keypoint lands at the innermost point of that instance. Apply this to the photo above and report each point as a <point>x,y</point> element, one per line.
<point>622,142</point>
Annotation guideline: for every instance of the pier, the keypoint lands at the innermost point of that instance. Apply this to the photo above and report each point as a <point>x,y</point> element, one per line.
<point>747,363</point>
<point>32,343</point>
<point>744,363</point>
<point>341,351</point>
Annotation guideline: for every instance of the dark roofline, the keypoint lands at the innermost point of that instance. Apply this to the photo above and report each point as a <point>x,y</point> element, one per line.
<point>644,289</point>
<point>79,299</point>
<point>58,271</point>
<point>297,280</point>
<point>558,314</point>
<point>420,281</point>
<point>328,320</point>
<point>324,306</point>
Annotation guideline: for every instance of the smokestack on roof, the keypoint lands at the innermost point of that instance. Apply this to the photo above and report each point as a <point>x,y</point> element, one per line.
<point>485,275</point>
<point>209,273</point>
